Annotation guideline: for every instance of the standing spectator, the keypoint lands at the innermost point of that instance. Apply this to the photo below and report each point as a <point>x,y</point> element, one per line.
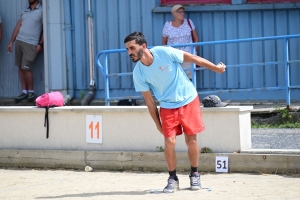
<point>179,31</point>
<point>0,29</point>
<point>28,34</point>
<point>158,69</point>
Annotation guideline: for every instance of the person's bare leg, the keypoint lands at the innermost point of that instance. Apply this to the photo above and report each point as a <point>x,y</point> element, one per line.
<point>170,155</point>
<point>193,153</point>
<point>22,78</point>
<point>193,149</point>
<point>28,79</point>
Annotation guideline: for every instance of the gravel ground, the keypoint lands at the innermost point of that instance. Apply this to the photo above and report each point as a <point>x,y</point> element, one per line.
<point>279,138</point>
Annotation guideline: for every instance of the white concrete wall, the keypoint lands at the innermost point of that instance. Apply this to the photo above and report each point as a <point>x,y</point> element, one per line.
<point>228,129</point>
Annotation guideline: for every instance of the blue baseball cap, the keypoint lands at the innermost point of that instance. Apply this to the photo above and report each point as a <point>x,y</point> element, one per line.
<point>213,101</point>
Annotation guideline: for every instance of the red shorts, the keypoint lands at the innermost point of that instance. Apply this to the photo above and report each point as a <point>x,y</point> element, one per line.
<point>187,119</point>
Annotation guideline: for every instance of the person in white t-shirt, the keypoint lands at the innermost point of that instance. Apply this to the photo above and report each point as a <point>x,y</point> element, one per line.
<point>180,31</point>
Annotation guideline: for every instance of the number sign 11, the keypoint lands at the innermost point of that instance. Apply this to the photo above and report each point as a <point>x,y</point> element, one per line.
<point>93,129</point>
<point>221,164</point>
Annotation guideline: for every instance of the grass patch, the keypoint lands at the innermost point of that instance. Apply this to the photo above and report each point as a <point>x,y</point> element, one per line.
<point>282,125</point>
<point>287,120</point>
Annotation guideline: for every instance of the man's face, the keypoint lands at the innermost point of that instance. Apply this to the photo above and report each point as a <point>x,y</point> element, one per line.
<point>32,1</point>
<point>135,51</point>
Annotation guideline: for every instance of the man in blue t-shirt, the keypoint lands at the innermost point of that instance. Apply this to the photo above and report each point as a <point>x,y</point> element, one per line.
<point>158,69</point>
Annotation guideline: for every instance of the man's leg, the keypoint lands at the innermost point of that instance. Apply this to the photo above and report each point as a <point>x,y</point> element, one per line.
<point>29,83</point>
<point>171,128</point>
<point>30,54</point>
<point>170,156</point>
<point>28,79</point>
<point>18,62</point>
<point>191,121</point>
<point>193,149</point>
<point>22,77</point>
<point>193,153</point>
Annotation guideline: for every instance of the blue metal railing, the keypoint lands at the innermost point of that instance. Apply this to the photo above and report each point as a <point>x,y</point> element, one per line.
<point>286,63</point>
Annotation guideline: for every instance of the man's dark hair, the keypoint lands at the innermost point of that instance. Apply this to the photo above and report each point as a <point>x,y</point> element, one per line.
<point>137,36</point>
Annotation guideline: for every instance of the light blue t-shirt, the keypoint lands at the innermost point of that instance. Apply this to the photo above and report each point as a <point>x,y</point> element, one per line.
<point>165,77</point>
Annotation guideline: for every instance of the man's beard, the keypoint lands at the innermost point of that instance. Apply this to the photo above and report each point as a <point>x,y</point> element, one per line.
<point>139,55</point>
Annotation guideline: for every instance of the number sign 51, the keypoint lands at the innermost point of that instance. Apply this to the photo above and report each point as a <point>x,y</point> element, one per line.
<point>221,164</point>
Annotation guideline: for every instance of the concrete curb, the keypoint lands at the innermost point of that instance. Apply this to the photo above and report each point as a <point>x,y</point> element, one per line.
<point>147,161</point>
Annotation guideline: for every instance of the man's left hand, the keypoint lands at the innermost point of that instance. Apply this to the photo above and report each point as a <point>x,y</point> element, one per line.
<point>38,48</point>
<point>221,68</point>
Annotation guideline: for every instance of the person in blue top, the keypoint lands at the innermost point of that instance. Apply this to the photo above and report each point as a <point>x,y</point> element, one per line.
<point>158,70</point>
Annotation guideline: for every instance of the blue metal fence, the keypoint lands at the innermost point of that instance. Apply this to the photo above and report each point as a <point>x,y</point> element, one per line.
<point>286,62</point>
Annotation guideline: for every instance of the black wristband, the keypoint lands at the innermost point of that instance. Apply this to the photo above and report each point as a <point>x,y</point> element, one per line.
<point>41,44</point>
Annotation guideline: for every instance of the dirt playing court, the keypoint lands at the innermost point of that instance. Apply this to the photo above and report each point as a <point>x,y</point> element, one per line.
<point>23,184</point>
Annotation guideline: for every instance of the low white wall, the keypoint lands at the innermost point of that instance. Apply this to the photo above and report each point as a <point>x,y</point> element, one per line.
<point>148,161</point>
<point>129,128</point>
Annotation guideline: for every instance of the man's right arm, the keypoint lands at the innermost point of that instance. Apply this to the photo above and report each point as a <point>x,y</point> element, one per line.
<point>14,35</point>
<point>150,102</point>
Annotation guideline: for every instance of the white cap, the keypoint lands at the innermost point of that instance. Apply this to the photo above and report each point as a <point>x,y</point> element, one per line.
<point>176,7</point>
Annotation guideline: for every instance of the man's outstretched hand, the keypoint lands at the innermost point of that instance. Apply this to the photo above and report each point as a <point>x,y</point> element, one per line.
<point>221,68</point>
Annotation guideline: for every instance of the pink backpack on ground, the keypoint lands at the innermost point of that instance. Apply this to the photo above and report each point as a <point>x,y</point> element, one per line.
<point>49,100</point>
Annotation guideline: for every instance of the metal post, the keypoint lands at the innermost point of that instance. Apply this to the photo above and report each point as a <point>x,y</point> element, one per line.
<point>106,80</point>
<point>287,73</point>
<point>91,88</point>
<point>91,42</point>
<point>193,66</point>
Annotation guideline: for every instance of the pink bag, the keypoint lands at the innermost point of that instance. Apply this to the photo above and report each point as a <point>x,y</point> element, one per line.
<point>49,100</point>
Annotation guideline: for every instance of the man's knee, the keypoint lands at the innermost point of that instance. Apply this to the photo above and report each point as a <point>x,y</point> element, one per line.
<point>170,142</point>
<point>191,140</point>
